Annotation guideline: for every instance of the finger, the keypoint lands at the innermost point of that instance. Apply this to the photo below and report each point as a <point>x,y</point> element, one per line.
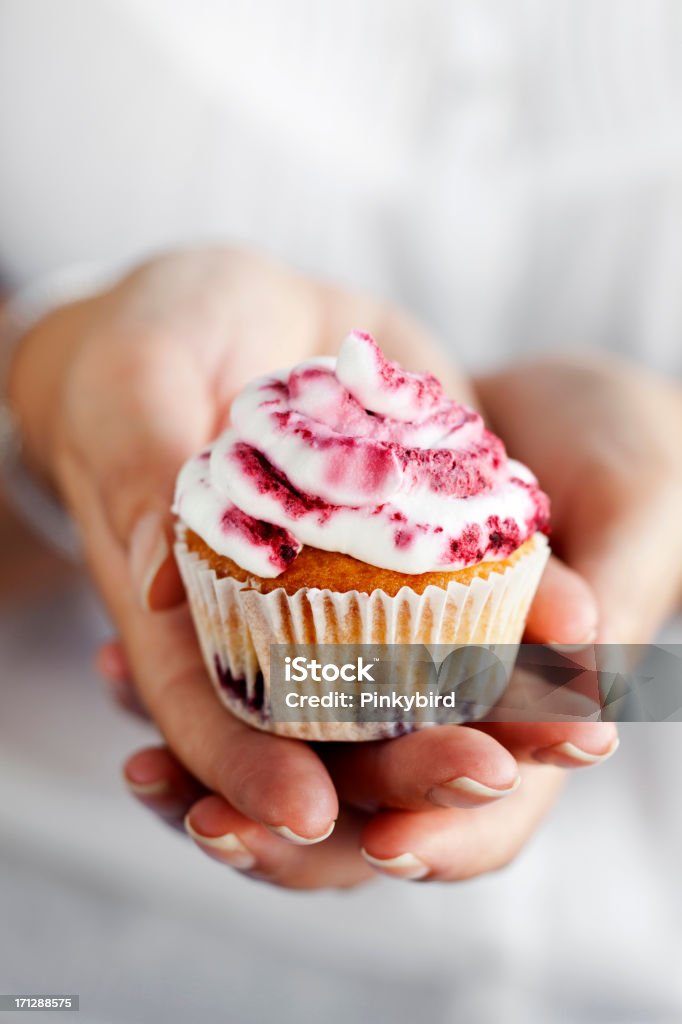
<point>158,780</point>
<point>621,561</point>
<point>564,610</point>
<point>278,782</point>
<point>153,569</point>
<point>232,839</point>
<point>223,775</point>
<point>452,845</point>
<point>564,744</point>
<point>112,664</point>
<point>127,698</point>
<point>449,766</point>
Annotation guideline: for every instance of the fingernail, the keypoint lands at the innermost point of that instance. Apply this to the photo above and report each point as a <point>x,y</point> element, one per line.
<point>159,788</point>
<point>161,798</point>
<point>228,849</point>
<point>463,791</point>
<point>293,837</point>
<point>567,755</point>
<point>148,551</point>
<point>406,865</point>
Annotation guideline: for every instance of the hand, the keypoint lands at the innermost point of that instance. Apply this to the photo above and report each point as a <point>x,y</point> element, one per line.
<point>416,836</point>
<point>434,845</point>
<point>113,394</point>
<point>445,845</point>
<point>603,435</point>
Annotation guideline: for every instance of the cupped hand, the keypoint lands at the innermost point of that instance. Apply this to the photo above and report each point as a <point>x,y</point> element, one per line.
<point>440,844</point>
<point>112,394</point>
<point>457,832</point>
<point>443,804</point>
<point>603,435</point>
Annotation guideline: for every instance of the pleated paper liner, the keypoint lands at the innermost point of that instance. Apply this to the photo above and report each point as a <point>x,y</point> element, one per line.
<point>236,626</point>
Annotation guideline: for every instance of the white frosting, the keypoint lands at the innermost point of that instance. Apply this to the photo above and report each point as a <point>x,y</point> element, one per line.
<point>357,457</point>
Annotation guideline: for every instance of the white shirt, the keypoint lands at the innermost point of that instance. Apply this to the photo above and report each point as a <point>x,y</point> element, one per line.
<point>510,171</point>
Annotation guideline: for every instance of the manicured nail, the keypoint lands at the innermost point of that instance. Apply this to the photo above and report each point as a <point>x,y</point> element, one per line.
<point>406,865</point>
<point>148,551</point>
<point>229,849</point>
<point>293,837</point>
<point>567,755</point>
<point>159,788</point>
<point>463,792</point>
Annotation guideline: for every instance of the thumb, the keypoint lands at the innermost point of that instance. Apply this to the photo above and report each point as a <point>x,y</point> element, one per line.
<point>153,570</point>
<point>633,564</point>
<point>564,610</point>
<point>139,512</point>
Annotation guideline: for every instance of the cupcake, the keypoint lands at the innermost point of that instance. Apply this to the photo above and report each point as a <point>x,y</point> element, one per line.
<point>352,502</point>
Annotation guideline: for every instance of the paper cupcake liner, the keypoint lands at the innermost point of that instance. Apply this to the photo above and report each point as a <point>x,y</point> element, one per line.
<point>236,626</point>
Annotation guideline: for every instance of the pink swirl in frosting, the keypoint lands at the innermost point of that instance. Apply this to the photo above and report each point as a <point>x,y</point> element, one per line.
<point>358,456</point>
